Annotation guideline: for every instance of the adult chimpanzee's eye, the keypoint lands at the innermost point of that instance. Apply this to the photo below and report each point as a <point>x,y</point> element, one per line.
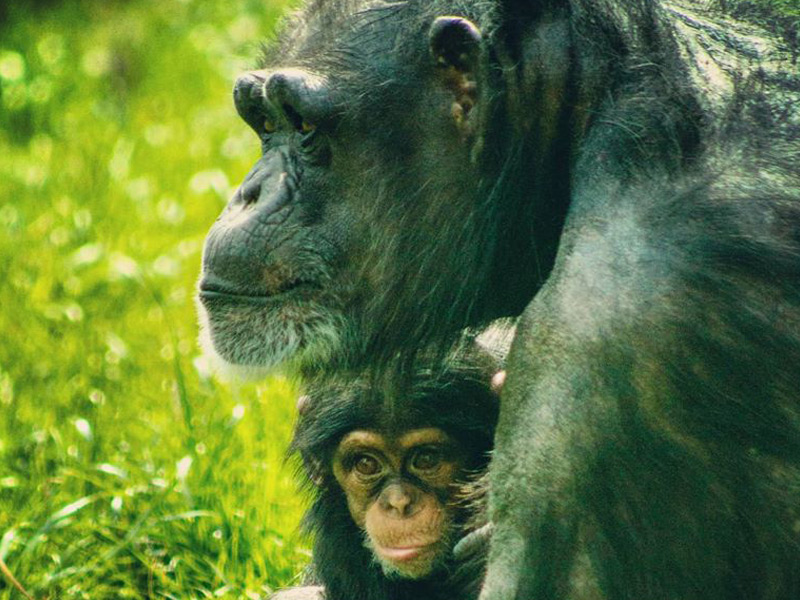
<point>426,459</point>
<point>306,127</point>
<point>366,465</point>
<point>269,126</point>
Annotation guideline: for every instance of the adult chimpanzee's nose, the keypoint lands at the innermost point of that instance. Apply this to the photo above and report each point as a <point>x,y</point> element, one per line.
<point>271,183</point>
<point>251,189</point>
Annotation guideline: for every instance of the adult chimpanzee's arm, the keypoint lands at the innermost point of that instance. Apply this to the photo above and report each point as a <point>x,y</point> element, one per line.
<point>639,413</point>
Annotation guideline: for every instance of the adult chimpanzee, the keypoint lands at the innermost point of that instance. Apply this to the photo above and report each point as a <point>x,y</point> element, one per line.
<point>388,460</point>
<point>623,173</point>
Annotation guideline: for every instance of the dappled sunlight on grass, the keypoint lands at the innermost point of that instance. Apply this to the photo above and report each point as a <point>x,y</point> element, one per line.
<point>124,473</point>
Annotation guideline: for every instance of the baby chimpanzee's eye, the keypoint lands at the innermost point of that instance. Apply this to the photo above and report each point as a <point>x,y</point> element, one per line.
<point>366,465</point>
<point>426,459</point>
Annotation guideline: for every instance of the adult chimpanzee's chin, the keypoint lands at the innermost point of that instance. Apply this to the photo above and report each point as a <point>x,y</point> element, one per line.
<point>246,339</point>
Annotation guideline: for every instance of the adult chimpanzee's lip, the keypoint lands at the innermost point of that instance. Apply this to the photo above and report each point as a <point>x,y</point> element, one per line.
<point>403,553</point>
<point>218,295</point>
<point>214,291</point>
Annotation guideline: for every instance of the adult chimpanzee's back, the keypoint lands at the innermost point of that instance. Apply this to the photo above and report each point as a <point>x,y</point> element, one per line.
<point>623,173</point>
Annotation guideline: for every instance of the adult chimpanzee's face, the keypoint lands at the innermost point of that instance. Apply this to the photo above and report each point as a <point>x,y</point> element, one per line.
<point>336,238</point>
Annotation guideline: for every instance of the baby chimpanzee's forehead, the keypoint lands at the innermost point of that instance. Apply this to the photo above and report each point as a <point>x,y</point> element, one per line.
<point>395,442</point>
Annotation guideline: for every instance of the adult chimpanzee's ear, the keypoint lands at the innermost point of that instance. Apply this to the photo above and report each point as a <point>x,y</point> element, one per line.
<point>455,42</point>
<point>455,46</point>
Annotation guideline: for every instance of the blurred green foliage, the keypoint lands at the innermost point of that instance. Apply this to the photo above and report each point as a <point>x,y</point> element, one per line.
<point>774,8</point>
<point>125,472</point>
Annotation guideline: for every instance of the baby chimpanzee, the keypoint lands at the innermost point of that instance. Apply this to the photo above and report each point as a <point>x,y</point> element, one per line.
<point>389,458</point>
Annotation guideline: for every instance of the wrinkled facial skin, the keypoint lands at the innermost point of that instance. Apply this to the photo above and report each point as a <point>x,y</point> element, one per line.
<point>342,219</point>
<point>398,491</point>
<point>268,260</point>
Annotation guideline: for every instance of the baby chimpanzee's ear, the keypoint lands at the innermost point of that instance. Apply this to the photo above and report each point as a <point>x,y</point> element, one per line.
<point>314,469</point>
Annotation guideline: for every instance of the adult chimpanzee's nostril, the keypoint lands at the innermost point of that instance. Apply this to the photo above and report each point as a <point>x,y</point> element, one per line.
<point>268,187</point>
<point>250,190</point>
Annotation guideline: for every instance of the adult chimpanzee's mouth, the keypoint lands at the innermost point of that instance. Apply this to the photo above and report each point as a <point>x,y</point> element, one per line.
<point>211,289</point>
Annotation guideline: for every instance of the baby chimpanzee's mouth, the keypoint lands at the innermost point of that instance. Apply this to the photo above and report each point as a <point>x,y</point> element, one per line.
<point>403,553</point>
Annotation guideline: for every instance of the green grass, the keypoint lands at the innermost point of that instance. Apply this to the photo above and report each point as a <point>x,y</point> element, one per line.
<point>124,472</point>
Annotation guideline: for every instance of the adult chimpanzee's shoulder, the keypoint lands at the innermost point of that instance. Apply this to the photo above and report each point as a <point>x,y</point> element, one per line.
<point>722,52</point>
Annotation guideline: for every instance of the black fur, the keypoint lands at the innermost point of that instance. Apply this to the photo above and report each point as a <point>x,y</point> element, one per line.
<point>628,181</point>
<point>457,400</point>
